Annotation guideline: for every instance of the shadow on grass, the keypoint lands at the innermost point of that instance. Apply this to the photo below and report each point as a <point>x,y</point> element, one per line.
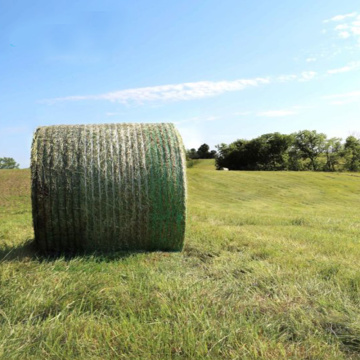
<point>29,251</point>
<point>20,252</point>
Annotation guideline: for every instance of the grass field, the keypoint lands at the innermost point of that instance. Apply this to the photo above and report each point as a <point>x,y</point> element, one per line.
<point>270,270</point>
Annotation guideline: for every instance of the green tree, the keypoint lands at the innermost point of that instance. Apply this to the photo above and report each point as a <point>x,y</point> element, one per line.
<point>192,154</point>
<point>203,151</point>
<point>352,153</point>
<point>8,163</point>
<point>266,152</point>
<point>233,156</point>
<point>272,151</point>
<point>298,151</point>
<point>310,145</point>
<point>333,151</point>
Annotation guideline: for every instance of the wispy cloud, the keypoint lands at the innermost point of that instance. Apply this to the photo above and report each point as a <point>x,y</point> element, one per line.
<point>174,92</point>
<point>342,99</point>
<point>184,91</point>
<point>346,29</point>
<point>287,78</point>
<point>349,26</point>
<point>276,113</point>
<point>341,17</point>
<point>355,65</point>
<point>302,77</point>
<point>307,76</point>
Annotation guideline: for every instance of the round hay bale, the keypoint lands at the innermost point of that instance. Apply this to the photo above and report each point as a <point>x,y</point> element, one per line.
<point>108,187</point>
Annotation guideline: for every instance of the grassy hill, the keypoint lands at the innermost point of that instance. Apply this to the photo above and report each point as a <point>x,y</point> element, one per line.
<point>270,270</point>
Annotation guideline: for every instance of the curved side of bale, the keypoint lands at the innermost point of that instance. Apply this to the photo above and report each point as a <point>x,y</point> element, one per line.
<point>108,187</point>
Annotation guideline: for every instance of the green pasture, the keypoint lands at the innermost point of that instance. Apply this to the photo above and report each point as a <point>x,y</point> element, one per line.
<point>270,270</point>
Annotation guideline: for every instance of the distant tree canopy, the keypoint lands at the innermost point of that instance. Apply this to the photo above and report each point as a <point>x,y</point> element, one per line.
<point>352,153</point>
<point>8,163</point>
<point>201,153</point>
<point>304,150</point>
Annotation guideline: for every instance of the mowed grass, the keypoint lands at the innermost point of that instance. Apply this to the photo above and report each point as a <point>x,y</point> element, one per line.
<point>270,270</point>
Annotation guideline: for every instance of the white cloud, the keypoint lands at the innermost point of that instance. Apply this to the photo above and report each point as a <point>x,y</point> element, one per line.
<point>276,113</point>
<point>304,76</point>
<point>342,99</point>
<point>355,28</point>
<point>311,59</point>
<point>344,34</point>
<point>341,17</point>
<point>351,66</point>
<point>286,78</point>
<point>174,92</point>
<point>342,27</point>
<point>183,91</point>
<point>350,26</point>
<point>307,75</point>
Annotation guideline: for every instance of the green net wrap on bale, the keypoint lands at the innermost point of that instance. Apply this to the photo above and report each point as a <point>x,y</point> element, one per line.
<point>108,187</point>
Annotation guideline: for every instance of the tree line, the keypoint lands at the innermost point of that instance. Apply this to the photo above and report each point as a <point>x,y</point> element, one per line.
<point>8,163</point>
<point>304,150</point>
<point>203,152</point>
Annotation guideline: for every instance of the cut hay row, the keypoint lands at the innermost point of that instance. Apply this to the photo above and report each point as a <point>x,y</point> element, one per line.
<point>108,187</point>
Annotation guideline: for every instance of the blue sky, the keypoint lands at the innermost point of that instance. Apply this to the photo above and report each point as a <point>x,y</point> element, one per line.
<point>220,70</point>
